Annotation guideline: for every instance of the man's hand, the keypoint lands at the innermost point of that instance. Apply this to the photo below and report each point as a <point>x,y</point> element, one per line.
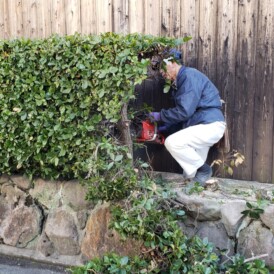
<point>162,128</point>
<point>154,116</point>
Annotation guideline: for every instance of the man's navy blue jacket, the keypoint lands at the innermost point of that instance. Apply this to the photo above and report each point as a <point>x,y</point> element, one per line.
<point>197,100</point>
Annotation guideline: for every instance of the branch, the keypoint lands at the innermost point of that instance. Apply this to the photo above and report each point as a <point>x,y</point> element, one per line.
<point>124,128</point>
<point>255,258</point>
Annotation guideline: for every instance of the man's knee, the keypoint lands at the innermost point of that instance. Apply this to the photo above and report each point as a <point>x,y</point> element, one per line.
<point>168,143</point>
<point>172,143</point>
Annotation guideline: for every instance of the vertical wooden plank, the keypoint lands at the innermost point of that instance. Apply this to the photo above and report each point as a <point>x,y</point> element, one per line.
<point>88,16</point>
<point>43,18</point>
<point>58,22</point>
<point>120,16</point>
<point>29,9</point>
<point>264,98</point>
<point>207,38</point>
<point>72,15</point>
<point>243,126</point>
<point>189,27</point>
<point>153,17</point>
<point>170,18</point>
<point>226,48</point>
<point>2,19</point>
<point>176,24</point>
<point>104,16</point>
<point>272,95</point>
<point>136,16</point>
<point>13,19</point>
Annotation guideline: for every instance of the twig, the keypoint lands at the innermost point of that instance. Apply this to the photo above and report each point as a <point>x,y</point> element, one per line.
<point>147,251</point>
<point>255,258</point>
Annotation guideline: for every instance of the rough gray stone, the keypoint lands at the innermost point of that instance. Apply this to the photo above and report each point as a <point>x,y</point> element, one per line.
<point>99,239</point>
<point>13,195</point>
<point>232,216</point>
<point>45,246</point>
<point>21,226</point>
<point>61,230</point>
<point>56,194</point>
<point>215,232</point>
<point>82,217</point>
<point>200,208</point>
<point>268,217</point>
<point>5,209</point>
<point>21,181</point>
<point>47,193</point>
<point>73,195</point>
<point>4,179</point>
<point>256,240</point>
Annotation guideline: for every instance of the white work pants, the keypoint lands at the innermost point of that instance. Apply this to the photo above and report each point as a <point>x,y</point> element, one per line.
<point>190,146</point>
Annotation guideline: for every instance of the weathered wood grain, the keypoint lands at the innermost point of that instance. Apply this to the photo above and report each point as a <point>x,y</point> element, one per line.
<point>170,18</point>
<point>207,38</point>
<point>190,27</point>
<point>104,16</point>
<point>152,17</point>
<point>136,16</point>
<point>13,19</point>
<point>72,16</point>
<point>2,19</point>
<point>88,17</point>
<point>58,20</point>
<point>225,58</point>
<point>120,16</point>
<point>243,119</point>
<point>262,154</point>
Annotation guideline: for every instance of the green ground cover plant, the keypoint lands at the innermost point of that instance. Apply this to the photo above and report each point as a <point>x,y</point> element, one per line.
<point>149,214</point>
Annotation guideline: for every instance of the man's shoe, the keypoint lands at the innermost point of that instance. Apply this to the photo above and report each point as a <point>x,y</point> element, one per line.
<point>203,174</point>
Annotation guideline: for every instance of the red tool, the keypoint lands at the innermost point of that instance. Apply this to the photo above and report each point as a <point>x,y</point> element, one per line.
<point>148,132</point>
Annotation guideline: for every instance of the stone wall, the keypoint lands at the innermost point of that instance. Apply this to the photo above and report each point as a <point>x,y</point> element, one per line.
<point>51,221</point>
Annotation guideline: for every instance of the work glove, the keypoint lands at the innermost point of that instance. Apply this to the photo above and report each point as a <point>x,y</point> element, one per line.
<point>155,116</point>
<point>162,128</point>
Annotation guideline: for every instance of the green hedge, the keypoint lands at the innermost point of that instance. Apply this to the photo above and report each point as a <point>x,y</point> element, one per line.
<point>56,93</point>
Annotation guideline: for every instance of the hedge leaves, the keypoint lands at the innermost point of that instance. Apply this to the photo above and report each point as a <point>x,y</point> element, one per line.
<point>56,96</point>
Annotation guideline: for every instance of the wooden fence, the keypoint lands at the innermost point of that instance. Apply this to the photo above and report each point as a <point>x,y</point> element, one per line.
<point>233,43</point>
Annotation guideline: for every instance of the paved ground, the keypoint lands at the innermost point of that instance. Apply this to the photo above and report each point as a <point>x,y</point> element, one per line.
<point>11,265</point>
